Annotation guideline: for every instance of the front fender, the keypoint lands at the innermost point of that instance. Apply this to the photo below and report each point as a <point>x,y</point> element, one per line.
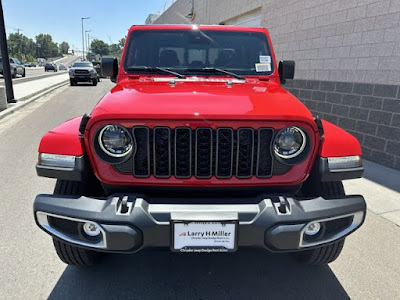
<point>64,139</point>
<point>338,142</point>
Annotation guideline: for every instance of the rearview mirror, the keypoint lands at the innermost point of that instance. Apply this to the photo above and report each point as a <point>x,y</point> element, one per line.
<point>286,70</point>
<point>109,68</point>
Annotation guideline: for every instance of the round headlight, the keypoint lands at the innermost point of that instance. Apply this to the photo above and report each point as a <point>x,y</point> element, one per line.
<point>115,141</point>
<point>289,142</point>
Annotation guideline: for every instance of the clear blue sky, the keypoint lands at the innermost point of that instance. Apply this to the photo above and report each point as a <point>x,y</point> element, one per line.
<point>109,19</point>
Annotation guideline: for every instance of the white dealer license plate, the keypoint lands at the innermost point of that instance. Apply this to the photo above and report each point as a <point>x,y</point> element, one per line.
<point>204,236</point>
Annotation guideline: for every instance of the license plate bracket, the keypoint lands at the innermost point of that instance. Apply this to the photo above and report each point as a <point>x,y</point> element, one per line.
<point>204,236</point>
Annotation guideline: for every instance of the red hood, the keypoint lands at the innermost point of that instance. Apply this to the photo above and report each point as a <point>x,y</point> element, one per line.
<point>210,100</point>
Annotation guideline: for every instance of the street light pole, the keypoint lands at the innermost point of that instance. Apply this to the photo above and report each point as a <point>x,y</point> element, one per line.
<point>5,59</point>
<point>83,38</point>
<point>87,41</point>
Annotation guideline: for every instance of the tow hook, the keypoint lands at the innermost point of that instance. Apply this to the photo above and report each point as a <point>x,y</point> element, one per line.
<point>123,206</point>
<point>283,206</point>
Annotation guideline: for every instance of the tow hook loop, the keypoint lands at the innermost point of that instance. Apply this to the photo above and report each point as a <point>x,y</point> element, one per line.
<point>282,205</point>
<point>122,205</point>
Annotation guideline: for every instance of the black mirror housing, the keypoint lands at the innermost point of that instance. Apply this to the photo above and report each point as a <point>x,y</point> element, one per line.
<point>109,68</point>
<point>286,70</point>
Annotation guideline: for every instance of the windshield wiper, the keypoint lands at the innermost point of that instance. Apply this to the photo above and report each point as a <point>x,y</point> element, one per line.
<point>155,69</point>
<point>216,70</point>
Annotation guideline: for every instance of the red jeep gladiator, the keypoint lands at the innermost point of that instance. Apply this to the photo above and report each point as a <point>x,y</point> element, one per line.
<point>198,148</point>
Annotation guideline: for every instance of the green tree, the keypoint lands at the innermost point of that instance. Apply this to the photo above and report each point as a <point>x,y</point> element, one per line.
<point>100,47</point>
<point>19,44</point>
<point>64,47</point>
<point>121,43</point>
<point>48,48</point>
<point>29,57</point>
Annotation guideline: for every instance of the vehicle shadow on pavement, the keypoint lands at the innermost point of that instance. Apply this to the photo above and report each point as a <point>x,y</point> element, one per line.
<point>248,274</point>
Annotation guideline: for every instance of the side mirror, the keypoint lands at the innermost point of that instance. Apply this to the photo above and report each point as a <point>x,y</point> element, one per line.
<point>286,70</point>
<point>109,68</point>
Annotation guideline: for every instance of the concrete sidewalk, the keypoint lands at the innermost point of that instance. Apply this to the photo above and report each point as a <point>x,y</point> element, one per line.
<point>27,92</point>
<point>381,188</point>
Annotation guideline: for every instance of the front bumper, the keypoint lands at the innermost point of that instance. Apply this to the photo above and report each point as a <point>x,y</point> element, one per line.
<point>147,225</point>
<point>83,77</point>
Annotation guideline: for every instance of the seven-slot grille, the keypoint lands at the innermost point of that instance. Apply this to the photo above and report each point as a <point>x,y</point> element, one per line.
<point>203,152</point>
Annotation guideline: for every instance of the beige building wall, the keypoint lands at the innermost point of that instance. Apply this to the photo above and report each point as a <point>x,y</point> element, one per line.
<point>347,55</point>
<point>336,40</point>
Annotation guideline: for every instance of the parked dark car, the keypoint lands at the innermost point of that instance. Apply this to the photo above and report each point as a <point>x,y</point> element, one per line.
<point>30,64</point>
<point>50,66</point>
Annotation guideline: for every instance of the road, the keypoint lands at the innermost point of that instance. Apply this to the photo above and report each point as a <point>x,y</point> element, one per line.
<point>38,72</point>
<point>369,267</point>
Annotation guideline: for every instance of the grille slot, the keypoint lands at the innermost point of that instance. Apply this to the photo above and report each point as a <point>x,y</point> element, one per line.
<point>202,153</point>
<point>264,157</point>
<point>224,153</point>
<point>245,152</point>
<point>162,151</point>
<point>183,152</point>
<point>141,162</point>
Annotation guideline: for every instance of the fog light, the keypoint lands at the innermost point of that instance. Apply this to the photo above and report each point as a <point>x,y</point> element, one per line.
<point>313,228</point>
<point>91,229</point>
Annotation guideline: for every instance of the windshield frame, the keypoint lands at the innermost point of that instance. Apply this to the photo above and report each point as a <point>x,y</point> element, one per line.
<point>183,69</point>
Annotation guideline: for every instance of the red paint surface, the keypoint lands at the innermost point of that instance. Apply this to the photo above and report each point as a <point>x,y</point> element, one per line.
<point>64,139</point>
<point>140,100</point>
<point>338,142</point>
<point>107,174</point>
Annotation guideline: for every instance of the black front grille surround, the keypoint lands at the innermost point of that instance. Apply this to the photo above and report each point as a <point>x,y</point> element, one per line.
<point>204,152</point>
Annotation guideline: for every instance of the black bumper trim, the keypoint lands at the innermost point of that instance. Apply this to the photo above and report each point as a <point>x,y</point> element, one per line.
<point>257,222</point>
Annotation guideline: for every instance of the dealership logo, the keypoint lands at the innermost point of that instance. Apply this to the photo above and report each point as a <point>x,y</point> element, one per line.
<point>183,234</point>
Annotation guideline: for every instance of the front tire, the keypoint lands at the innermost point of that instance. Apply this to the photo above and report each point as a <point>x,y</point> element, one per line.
<point>94,82</point>
<point>72,82</point>
<point>328,253</point>
<point>320,256</point>
<point>24,73</point>
<point>75,256</point>
<point>70,254</point>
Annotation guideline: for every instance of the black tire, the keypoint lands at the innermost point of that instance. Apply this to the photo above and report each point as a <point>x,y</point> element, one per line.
<point>24,73</point>
<point>72,82</point>
<point>69,254</point>
<point>75,256</point>
<point>320,256</point>
<point>94,82</point>
<point>325,254</point>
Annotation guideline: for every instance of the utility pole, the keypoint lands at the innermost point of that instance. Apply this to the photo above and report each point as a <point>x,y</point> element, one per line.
<point>19,43</point>
<point>83,37</point>
<point>5,59</point>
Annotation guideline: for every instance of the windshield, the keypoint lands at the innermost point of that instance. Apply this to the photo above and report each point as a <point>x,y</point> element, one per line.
<point>82,65</point>
<point>190,51</point>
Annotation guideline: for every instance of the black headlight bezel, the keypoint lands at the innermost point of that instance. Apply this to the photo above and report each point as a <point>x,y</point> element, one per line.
<point>105,155</point>
<point>301,156</point>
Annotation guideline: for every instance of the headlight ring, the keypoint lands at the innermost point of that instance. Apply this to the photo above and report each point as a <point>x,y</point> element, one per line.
<point>291,145</point>
<point>114,144</point>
